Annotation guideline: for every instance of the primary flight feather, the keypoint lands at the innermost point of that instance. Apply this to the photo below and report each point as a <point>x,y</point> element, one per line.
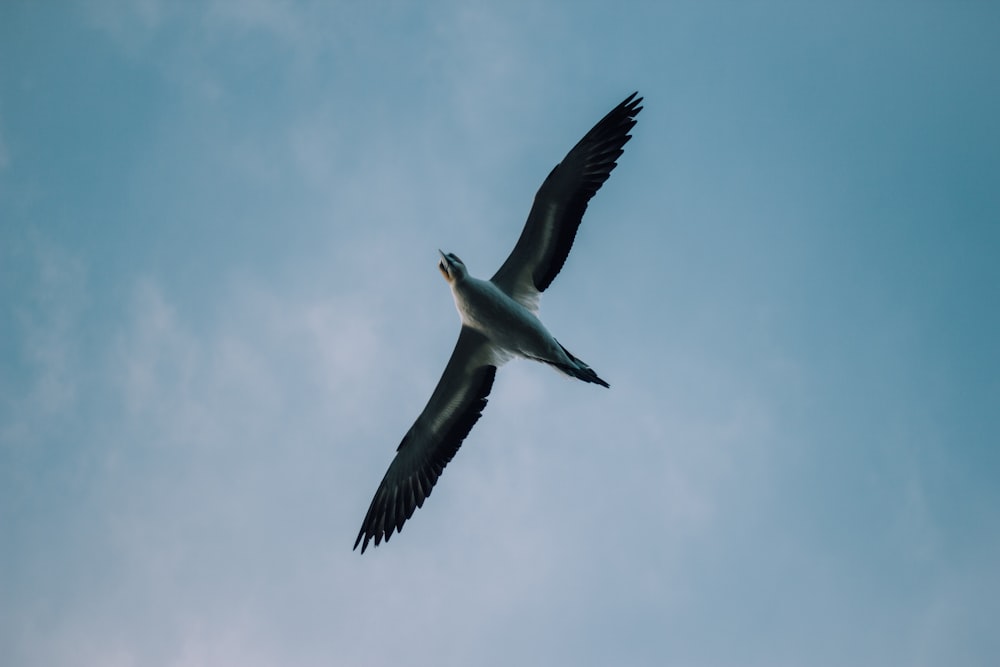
<point>499,322</point>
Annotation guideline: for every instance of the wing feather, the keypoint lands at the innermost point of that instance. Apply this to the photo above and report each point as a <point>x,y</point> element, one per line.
<point>560,203</point>
<point>432,441</point>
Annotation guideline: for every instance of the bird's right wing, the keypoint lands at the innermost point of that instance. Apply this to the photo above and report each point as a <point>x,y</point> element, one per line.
<point>453,409</point>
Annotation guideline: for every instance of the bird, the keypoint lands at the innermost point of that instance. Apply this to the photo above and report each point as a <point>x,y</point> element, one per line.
<point>499,322</point>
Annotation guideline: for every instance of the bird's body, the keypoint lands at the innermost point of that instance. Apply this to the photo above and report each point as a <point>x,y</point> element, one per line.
<point>499,321</point>
<point>511,328</point>
<point>509,325</point>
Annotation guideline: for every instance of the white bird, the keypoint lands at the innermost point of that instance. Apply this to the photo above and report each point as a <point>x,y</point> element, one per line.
<point>499,321</point>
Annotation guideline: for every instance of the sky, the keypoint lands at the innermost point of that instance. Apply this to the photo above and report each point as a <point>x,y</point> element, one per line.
<point>219,225</point>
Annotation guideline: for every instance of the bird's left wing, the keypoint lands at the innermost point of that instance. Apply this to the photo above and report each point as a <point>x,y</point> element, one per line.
<point>559,205</point>
<point>453,409</point>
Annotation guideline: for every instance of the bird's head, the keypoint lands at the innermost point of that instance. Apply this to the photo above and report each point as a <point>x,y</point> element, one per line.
<point>451,267</point>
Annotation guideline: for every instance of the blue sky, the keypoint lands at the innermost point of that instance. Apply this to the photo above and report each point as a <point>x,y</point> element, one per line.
<point>219,226</point>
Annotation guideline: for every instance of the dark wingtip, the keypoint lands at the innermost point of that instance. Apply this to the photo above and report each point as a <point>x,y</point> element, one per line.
<point>632,103</point>
<point>395,501</point>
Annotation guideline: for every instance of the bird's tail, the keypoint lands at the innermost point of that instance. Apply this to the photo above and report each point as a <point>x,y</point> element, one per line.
<point>580,370</point>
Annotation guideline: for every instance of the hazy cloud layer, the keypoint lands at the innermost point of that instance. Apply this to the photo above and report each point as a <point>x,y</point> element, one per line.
<point>218,247</point>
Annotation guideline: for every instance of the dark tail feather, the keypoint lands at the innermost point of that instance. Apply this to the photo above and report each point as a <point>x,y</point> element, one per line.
<point>581,371</point>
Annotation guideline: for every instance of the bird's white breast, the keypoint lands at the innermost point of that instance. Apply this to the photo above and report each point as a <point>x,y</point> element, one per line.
<point>508,324</point>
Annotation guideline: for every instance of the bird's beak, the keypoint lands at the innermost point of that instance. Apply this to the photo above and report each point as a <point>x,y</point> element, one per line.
<point>443,266</point>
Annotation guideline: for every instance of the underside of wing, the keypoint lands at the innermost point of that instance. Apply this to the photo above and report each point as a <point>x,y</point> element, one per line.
<point>432,441</point>
<point>559,205</point>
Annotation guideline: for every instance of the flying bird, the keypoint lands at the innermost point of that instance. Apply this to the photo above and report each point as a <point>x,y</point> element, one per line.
<point>499,322</point>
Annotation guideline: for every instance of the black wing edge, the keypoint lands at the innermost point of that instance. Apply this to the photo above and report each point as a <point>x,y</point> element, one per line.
<point>603,146</point>
<point>391,507</point>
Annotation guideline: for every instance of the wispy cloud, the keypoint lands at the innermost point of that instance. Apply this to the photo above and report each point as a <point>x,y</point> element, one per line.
<point>211,438</point>
<point>295,27</point>
<point>47,338</point>
<point>131,24</point>
<point>214,355</point>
